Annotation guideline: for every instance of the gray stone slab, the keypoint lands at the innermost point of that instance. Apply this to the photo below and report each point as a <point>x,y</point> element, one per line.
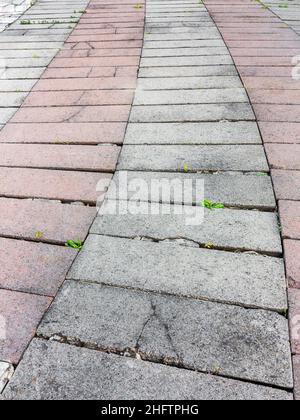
<point>223,229</point>
<point>6,114</point>
<point>182,52</point>
<point>23,46</point>
<point>197,158</point>
<point>244,279</point>
<point>27,62</point>
<point>200,96</point>
<point>33,38</point>
<point>208,337</point>
<point>186,61</point>
<point>212,82</point>
<point>6,372</point>
<point>231,188</point>
<point>204,43</point>
<point>12,99</point>
<point>188,71</point>
<point>24,73</point>
<point>192,113</point>
<point>82,374</point>
<point>16,85</point>
<point>240,132</point>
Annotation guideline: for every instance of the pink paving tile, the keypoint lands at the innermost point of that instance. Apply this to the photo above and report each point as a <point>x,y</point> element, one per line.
<point>290,219</point>
<point>278,113</point>
<point>264,52</point>
<point>51,184</point>
<point>265,71</point>
<point>284,156</point>
<point>115,113</point>
<point>33,267</point>
<point>91,44</point>
<point>296,364</point>
<point>21,314</point>
<point>99,52</point>
<point>289,44</point>
<point>106,83</point>
<point>263,61</point>
<point>287,184</point>
<point>281,97</point>
<point>126,71</point>
<point>50,222</point>
<point>292,254</point>
<point>284,83</point>
<point>280,132</point>
<point>77,72</point>
<point>64,133</point>
<point>294,317</point>
<point>87,158</point>
<point>94,62</point>
<point>93,97</point>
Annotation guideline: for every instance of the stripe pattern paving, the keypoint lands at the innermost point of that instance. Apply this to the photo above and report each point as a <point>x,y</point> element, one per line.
<point>148,286</point>
<point>266,53</point>
<point>58,145</point>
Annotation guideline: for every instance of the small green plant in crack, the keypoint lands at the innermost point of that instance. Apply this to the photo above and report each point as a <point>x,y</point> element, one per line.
<point>261,174</point>
<point>185,168</point>
<point>25,22</point>
<point>38,234</point>
<point>211,205</point>
<point>74,244</point>
<point>209,245</point>
<point>138,6</point>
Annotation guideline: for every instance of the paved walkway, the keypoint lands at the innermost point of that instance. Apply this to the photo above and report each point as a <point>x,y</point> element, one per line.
<point>152,307</point>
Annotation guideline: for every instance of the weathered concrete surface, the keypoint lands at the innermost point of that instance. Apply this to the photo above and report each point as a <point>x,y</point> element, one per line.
<point>102,376</point>
<point>224,228</point>
<point>186,332</point>
<point>6,372</point>
<point>251,280</point>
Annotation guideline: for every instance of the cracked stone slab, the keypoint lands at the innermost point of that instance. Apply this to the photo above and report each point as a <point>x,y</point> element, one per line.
<point>240,132</point>
<point>6,372</point>
<point>197,158</point>
<point>255,281</point>
<point>233,189</point>
<point>235,342</point>
<point>104,376</point>
<point>225,228</point>
<point>191,113</point>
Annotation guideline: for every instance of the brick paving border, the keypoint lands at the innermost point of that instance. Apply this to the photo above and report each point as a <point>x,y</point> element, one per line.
<point>58,145</point>
<point>263,47</point>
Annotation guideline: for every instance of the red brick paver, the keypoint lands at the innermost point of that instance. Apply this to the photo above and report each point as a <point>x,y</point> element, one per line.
<point>53,153</point>
<point>263,47</point>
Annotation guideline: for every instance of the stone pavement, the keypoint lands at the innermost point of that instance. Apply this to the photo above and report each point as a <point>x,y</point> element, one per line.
<point>286,10</point>
<point>152,307</point>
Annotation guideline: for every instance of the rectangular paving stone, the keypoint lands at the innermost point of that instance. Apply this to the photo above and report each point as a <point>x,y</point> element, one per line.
<point>105,376</point>
<point>16,85</point>
<point>6,372</point>
<point>287,184</point>
<point>12,99</point>
<point>284,156</point>
<point>20,315</point>
<point>87,158</point>
<point>171,97</point>
<point>186,61</point>
<point>191,113</point>
<point>63,133</point>
<point>294,318</point>
<point>285,113</point>
<point>44,221</point>
<point>282,132</point>
<point>292,252</point>
<point>33,267</point>
<point>290,219</point>
<point>230,229</point>
<point>296,365</point>
<point>106,113</point>
<point>94,62</point>
<point>198,158</point>
<point>230,188</point>
<point>244,279</point>
<point>24,73</point>
<point>78,72</point>
<point>6,114</point>
<point>51,184</point>
<point>183,52</point>
<point>279,97</point>
<point>240,132</point>
<point>211,82</point>
<point>94,97</point>
<point>186,71</point>
<point>92,83</point>
<point>182,44</point>
<point>186,332</point>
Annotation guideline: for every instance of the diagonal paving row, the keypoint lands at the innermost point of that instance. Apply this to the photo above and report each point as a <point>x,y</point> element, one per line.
<point>146,286</point>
